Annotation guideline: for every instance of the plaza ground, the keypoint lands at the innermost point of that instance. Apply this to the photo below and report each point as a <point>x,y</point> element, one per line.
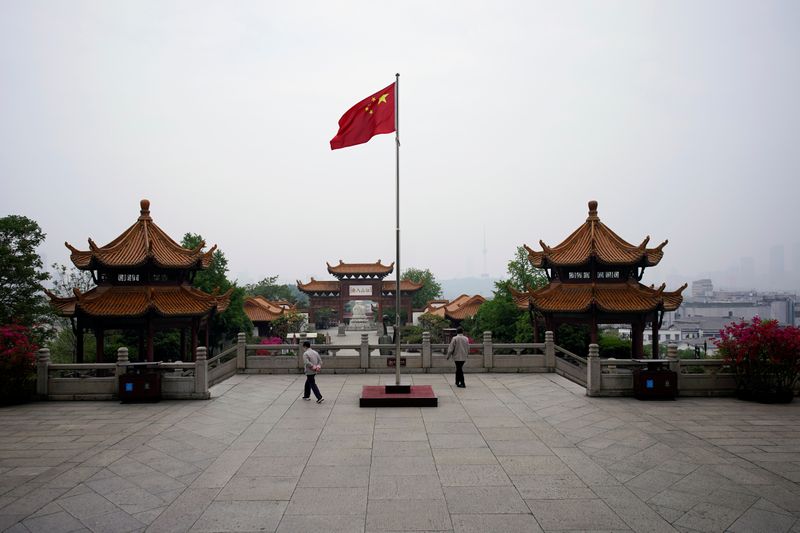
<point>511,452</point>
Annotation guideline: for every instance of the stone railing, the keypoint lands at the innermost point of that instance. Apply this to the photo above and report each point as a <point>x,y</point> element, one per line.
<point>696,377</point>
<point>424,357</point>
<point>100,381</point>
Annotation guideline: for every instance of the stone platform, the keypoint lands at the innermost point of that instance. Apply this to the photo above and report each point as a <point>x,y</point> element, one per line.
<point>511,452</point>
<point>412,396</point>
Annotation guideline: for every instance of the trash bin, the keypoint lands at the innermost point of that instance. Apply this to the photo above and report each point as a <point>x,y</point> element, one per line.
<point>141,383</point>
<point>656,381</point>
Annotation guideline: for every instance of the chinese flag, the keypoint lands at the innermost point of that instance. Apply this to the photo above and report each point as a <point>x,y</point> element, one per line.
<point>371,116</point>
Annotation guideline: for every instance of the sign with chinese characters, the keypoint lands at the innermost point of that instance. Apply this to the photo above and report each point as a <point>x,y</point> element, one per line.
<point>360,290</point>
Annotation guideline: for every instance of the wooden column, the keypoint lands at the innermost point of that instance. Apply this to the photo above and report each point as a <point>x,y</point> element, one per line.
<point>656,355</point>
<point>195,321</point>
<point>141,345</point>
<point>183,344</point>
<point>79,343</point>
<point>593,327</point>
<point>99,336</point>
<point>637,339</point>
<point>149,339</point>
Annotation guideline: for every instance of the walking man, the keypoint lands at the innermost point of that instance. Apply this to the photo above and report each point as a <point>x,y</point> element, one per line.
<point>313,364</point>
<point>458,350</point>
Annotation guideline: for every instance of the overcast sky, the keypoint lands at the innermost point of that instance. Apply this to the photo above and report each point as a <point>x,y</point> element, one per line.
<point>680,118</point>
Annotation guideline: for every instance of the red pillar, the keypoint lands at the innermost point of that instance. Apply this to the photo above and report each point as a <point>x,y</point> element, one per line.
<point>99,335</point>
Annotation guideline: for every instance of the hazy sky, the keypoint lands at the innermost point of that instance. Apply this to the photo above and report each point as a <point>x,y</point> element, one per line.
<point>681,118</point>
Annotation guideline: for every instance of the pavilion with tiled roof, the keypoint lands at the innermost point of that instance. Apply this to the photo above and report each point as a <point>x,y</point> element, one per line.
<point>594,278</point>
<point>456,310</point>
<point>357,281</point>
<point>143,282</point>
<point>263,312</point>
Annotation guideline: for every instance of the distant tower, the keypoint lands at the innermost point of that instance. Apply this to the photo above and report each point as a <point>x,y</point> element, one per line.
<point>702,288</point>
<point>485,273</point>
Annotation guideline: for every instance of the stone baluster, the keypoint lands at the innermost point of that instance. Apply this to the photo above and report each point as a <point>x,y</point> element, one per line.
<point>201,372</point>
<point>674,361</point>
<point>42,371</point>
<point>301,364</point>
<point>122,361</point>
<point>241,351</point>
<point>593,371</point>
<point>364,351</point>
<point>488,350</point>
<point>549,351</point>
<point>426,349</point>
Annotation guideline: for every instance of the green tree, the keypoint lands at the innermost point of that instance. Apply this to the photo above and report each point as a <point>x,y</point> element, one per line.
<point>63,347</point>
<point>21,275</point>
<point>430,290</point>
<point>435,324</point>
<point>226,325</point>
<point>522,275</point>
<point>270,289</point>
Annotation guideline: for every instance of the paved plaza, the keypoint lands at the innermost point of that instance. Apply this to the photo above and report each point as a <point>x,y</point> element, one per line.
<point>511,452</point>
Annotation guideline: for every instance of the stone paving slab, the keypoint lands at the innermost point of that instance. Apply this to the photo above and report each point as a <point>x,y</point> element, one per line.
<point>511,452</point>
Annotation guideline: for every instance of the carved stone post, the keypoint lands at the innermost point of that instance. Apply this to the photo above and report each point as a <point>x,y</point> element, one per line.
<point>593,371</point>
<point>488,350</point>
<point>122,361</point>
<point>300,362</point>
<point>549,351</point>
<point>241,351</point>
<point>42,362</point>
<point>201,372</point>
<point>674,361</point>
<point>364,351</point>
<point>426,349</point>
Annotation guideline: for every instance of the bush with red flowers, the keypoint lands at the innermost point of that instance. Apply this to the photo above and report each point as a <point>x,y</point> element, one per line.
<point>765,357</point>
<point>17,364</point>
<point>270,341</point>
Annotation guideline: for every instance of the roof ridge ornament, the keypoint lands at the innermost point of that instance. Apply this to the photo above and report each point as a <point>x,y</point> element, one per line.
<point>644,243</point>
<point>93,245</point>
<point>144,211</point>
<point>592,211</point>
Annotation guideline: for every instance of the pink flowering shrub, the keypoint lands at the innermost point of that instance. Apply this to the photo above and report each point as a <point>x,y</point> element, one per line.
<point>269,341</point>
<point>17,363</point>
<point>765,357</point>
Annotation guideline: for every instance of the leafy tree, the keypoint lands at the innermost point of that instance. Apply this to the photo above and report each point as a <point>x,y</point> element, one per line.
<point>21,275</point>
<point>271,290</point>
<point>522,275</point>
<point>288,322</point>
<point>430,290</point>
<point>435,325</point>
<point>63,347</point>
<point>228,324</point>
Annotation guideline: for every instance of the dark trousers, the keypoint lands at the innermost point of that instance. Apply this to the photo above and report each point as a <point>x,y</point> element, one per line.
<point>311,385</point>
<point>460,372</point>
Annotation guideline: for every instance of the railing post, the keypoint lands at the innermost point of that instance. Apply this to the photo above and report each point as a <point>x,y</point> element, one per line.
<point>674,362</point>
<point>593,371</point>
<point>549,351</point>
<point>426,349</point>
<point>364,351</point>
<point>241,351</point>
<point>42,362</point>
<point>201,371</point>
<point>300,362</point>
<point>488,350</point>
<point>122,361</point>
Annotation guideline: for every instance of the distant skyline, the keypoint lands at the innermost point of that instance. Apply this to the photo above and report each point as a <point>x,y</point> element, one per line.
<point>680,118</point>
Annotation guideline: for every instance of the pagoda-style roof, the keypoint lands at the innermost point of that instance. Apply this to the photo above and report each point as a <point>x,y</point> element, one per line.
<point>376,269</point>
<point>595,240</point>
<point>462,307</point>
<point>624,297</point>
<point>333,286</point>
<point>143,242</point>
<point>259,309</point>
<point>115,301</point>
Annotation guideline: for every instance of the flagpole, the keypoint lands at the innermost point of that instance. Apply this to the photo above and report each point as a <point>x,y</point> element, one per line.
<point>397,229</point>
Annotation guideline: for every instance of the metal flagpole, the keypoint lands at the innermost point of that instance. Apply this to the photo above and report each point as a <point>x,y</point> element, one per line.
<point>397,232</point>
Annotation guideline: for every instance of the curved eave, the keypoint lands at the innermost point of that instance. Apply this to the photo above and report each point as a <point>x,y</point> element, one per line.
<point>609,298</point>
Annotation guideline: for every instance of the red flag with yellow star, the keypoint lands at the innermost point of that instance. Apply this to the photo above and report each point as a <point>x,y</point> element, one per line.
<point>371,116</point>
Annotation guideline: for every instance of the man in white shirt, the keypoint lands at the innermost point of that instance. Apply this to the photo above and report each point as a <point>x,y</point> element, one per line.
<point>459,350</point>
<point>313,364</point>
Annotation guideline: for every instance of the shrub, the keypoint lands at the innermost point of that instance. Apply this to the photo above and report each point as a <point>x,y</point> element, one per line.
<point>764,356</point>
<point>267,342</point>
<point>17,364</point>
<point>614,347</point>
